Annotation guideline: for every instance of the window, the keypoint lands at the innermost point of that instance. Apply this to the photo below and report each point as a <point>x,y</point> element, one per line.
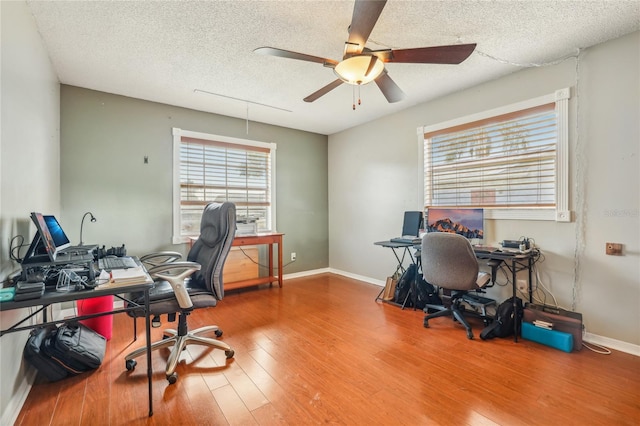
<point>211,168</point>
<point>511,161</point>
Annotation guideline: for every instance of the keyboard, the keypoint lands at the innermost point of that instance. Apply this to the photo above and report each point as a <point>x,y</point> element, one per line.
<point>109,263</point>
<point>407,239</point>
<point>484,249</point>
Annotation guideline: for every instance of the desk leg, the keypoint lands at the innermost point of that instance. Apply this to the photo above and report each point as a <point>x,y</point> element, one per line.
<point>270,249</point>
<point>530,279</point>
<point>280,262</point>
<point>148,335</point>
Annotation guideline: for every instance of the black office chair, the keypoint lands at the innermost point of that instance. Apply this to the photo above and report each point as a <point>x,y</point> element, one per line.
<point>449,262</point>
<point>180,287</point>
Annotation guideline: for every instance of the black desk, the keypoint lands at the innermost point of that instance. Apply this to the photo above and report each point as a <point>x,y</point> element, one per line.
<point>405,249</point>
<point>514,261</point>
<point>50,297</point>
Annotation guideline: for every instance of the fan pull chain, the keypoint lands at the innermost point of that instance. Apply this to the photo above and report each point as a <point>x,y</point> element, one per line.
<point>354,97</point>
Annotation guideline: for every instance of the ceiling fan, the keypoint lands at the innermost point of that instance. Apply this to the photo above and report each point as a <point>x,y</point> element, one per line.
<point>361,65</point>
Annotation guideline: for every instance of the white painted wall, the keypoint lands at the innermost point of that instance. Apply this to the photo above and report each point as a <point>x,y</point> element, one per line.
<point>375,175</point>
<point>29,171</point>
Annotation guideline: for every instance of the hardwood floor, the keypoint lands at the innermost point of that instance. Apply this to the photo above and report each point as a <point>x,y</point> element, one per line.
<point>321,351</point>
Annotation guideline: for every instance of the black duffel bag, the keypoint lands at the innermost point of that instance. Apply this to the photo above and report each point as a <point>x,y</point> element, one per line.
<point>35,356</point>
<point>403,287</point>
<point>75,347</point>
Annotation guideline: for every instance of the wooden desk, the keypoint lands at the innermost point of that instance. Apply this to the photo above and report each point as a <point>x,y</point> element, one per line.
<point>258,239</point>
<point>254,240</point>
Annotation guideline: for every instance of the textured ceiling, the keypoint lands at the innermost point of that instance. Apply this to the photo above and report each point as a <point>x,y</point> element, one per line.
<point>167,51</point>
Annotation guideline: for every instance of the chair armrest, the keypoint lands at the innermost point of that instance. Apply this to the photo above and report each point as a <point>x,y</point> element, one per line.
<point>175,274</point>
<point>154,259</point>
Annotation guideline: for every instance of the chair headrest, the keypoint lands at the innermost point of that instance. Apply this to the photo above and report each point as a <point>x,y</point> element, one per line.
<point>212,222</point>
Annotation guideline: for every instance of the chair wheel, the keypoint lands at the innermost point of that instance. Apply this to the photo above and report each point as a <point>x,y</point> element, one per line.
<point>469,334</point>
<point>230,353</point>
<point>218,333</point>
<point>130,364</point>
<point>172,378</point>
<point>426,323</point>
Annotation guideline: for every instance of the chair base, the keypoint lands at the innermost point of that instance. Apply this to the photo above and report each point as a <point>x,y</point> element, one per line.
<point>453,310</point>
<point>179,341</point>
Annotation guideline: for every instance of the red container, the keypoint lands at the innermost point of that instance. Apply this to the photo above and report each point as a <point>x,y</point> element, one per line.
<point>102,325</point>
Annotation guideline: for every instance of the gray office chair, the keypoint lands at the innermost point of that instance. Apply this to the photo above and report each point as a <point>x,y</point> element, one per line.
<point>180,287</point>
<point>448,262</point>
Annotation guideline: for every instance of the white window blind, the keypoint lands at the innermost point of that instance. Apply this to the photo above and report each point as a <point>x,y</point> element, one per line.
<point>511,160</point>
<point>215,168</point>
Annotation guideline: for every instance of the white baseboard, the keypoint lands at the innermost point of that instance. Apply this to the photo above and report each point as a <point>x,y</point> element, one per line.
<point>610,343</point>
<point>12,411</point>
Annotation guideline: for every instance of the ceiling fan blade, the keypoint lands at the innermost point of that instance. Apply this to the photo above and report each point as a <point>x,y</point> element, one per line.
<point>372,63</point>
<point>326,89</point>
<point>274,51</point>
<point>365,16</point>
<point>452,54</point>
<point>389,88</point>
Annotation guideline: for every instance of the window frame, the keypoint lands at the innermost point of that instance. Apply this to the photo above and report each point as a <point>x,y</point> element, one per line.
<point>178,134</point>
<point>559,213</point>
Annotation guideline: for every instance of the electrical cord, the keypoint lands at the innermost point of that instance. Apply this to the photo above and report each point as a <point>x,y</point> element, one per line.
<point>16,257</point>
<point>260,264</point>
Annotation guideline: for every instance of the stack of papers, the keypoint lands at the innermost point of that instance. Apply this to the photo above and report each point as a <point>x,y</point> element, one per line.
<point>124,277</point>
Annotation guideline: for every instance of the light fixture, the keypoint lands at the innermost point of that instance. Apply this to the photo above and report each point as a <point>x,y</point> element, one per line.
<point>359,69</point>
<point>93,219</point>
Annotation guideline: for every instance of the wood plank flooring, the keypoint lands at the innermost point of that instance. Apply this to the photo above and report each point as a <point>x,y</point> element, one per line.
<point>320,350</point>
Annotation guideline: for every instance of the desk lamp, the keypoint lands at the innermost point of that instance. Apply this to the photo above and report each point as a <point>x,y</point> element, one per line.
<point>93,219</point>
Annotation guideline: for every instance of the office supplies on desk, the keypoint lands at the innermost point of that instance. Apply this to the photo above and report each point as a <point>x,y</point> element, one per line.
<point>27,291</point>
<point>124,277</point>
<point>7,294</point>
<point>111,263</point>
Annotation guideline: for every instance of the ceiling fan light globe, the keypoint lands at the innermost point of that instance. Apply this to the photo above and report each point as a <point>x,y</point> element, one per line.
<point>353,70</point>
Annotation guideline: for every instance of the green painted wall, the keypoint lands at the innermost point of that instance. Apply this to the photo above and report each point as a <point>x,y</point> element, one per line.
<point>104,139</point>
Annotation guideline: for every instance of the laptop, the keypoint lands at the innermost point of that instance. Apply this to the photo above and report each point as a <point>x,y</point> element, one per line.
<point>410,228</point>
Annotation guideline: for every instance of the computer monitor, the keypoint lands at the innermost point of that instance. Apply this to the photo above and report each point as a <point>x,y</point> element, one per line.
<point>42,243</point>
<point>60,239</point>
<point>412,224</point>
<point>466,222</point>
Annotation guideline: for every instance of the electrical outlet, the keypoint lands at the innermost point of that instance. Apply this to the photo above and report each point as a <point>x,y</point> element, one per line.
<point>522,286</point>
<point>614,249</point>
<point>293,256</point>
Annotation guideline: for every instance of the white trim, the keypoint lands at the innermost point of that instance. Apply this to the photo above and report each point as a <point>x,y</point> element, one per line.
<point>561,212</point>
<point>305,273</point>
<point>14,406</point>
<point>562,156</point>
<point>218,138</point>
<point>176,237</point>
<point>177,140</point>
<point>610,343</point>
<point>506,109</point>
